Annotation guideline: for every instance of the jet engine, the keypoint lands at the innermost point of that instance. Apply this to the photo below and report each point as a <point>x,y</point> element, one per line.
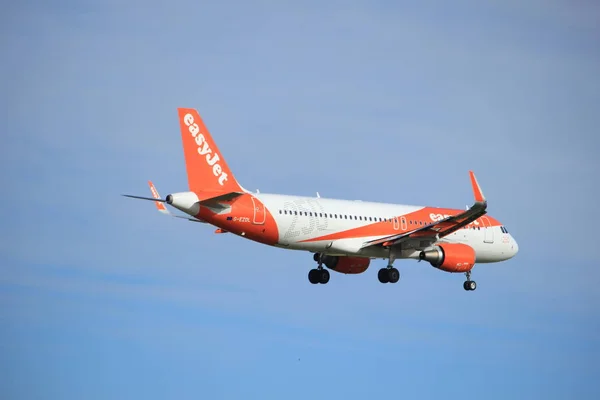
<point>450,257</point>
<point>347,265</point>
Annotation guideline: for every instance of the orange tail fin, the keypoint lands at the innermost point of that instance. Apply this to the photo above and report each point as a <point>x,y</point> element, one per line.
<point>206,167</point>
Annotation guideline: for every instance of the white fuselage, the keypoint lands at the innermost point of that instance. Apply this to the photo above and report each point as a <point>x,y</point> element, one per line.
<point>340,227</point>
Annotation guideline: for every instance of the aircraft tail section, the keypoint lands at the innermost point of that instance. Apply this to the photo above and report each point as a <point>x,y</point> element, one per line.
<point>206,168</point>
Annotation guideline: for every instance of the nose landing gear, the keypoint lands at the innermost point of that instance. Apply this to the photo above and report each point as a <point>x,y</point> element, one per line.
<point>469,284</point>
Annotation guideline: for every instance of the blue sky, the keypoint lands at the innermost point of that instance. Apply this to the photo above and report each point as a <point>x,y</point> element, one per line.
<point>102,297</point>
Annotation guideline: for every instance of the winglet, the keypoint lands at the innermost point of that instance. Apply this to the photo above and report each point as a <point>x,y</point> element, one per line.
<point>479,198</point>
<point>159,205</point>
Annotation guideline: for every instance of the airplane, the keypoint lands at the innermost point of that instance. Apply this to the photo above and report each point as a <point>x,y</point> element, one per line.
<point>343,235</point>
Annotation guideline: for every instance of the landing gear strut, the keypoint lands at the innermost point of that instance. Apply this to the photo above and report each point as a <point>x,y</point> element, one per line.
<point>320,274</point>
<point>469,284</point>
<point>389,274</point>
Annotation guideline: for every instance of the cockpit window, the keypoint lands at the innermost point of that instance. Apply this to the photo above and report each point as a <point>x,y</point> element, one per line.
<point>504,229</point>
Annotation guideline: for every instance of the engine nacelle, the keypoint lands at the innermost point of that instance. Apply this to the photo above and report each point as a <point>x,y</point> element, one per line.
<point>450,257</point>
<point>347,265</point>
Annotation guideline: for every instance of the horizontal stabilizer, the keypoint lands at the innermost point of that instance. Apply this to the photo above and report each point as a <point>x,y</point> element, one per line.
<point>160,204</point>
<point>143,198</point>
<point>206,197</point>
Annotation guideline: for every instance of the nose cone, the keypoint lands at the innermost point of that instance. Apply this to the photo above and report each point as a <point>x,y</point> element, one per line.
<point>514,246</point>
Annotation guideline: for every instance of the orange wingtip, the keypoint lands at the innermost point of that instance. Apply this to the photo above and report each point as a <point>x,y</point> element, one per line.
<point>159,205</point>
<point>476,188</point>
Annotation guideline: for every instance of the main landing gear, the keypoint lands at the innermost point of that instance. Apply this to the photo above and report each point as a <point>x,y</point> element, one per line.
<point>389,274</point>
<point>320,274</point>
<point>469,284</point>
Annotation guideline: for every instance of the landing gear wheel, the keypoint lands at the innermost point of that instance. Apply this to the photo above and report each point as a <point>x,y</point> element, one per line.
<point>393,275</point>
<point>323,276</point>
<point>316,257</point>
<point>382,275</point>
<point>313,276</point>
<point>318,276</point>
<point>469,284</point>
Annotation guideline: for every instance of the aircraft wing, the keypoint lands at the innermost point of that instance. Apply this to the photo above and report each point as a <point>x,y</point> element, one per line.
<point>444,227</point>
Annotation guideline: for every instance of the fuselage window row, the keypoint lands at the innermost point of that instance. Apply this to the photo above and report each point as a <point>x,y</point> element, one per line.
<point>363,218</point>
<point>341,216</point>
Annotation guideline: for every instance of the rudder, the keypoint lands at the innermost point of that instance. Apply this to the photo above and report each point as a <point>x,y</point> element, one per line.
<point>206,167</point>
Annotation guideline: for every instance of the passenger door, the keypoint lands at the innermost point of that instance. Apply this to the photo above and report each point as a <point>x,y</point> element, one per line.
<point>488,230</point>
<point>259,212</point>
